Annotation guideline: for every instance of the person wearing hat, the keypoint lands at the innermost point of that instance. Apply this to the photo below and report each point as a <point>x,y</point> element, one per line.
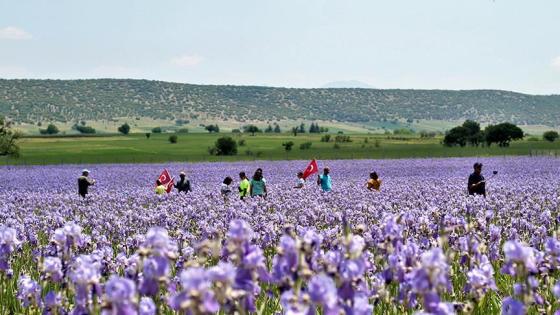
<point>477,184</point>
<point>84,182</point>
<point>183,185</point>
<point>324,180</point>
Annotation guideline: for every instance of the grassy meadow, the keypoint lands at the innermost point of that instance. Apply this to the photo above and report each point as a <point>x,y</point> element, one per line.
<point>136,148</point>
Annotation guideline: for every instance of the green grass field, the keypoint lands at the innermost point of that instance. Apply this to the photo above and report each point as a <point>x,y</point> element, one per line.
<point>194,147</point>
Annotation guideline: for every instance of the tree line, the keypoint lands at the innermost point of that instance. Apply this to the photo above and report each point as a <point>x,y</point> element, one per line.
<point>470,133</point>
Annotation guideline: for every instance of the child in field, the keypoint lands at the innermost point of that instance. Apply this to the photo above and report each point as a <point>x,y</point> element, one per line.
<point>160,189</point>
<point>225,188</point>
<point>374,183</point>
<point>258,185</point>
<point>300,182</point>
<point>244,185</point>
<point>324,180</point>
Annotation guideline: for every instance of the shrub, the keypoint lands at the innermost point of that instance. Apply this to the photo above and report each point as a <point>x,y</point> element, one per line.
<point>212,128</point>
<point>124,129</point>
<point>148,135</point>
<point>173,139</point>
<point>336,146</point>
<point>156,130</point>
<point>225,146</point>
<point>288,145</point>
<point>341,138</point>
<point>305,146</point>
<point>326,138</point>
<point>550,136</point>
<point>241,142</point>
<point>182,130</point>
<point>85,129</point>
<point>51,130</point>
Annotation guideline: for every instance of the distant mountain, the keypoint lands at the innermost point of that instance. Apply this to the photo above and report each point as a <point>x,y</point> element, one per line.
<point>72,100</point>
<point>350,84</point>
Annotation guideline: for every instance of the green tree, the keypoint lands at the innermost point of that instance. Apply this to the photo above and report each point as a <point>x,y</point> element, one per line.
<point>550,136</point>
<point>8,138</point>
<point>268,129</point>
<point>156,130</point>
<point>277,128</point>
<point>173,139</point>
<point>148,135</point>
<point>124,129</point>
<point>225,146</point>
<point>288,145</point>
<point>212,128</point>
<point>295,131</point>
<point>474,133</point>
<point>301,128</point>
<point>51,130</point>
<point>456,136</point>
<point>85,129</point>
<point>502,134</point>
<point>251,129</point>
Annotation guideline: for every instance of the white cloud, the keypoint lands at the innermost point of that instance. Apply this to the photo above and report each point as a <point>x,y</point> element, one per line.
<point>12,32</point>
<point>556,63</point>
<point>187,61</point>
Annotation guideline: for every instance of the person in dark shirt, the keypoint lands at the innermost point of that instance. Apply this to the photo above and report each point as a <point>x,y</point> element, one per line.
<point>183,185</point>
<point>477,184</point>
<point>84,182</point>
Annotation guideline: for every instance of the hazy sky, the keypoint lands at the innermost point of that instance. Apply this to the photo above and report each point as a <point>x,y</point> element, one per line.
<point>443,44</point>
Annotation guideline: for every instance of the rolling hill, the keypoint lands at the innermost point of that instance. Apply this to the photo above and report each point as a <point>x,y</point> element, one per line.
<point>32,101</point>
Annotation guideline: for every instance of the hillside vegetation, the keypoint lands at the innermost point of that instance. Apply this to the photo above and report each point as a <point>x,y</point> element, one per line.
<point>31,101</point>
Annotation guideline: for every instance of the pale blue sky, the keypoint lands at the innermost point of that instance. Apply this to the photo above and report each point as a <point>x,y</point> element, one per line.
<point>434,44</point>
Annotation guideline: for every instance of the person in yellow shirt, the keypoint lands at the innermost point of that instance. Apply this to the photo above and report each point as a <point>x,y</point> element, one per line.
<point>374,183</point>
<point>244,185</point>
<point>160,189</point>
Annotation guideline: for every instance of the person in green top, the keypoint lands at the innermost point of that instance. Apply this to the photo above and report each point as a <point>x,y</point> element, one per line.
<point>244,185</point>
<point>324,180</point>
<point>258,185</point>
<point>160,189</point>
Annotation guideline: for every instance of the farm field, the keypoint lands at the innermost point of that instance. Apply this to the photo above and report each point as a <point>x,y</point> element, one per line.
<point>194,147</point>
<point>420,245</point>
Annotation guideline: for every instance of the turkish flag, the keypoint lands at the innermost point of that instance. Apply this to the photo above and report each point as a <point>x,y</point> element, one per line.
<point>312,168</point>
<point>166,180</point>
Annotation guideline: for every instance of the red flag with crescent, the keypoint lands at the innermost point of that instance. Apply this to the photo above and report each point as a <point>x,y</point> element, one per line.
<point>311,169</point>
<point>166,180</point>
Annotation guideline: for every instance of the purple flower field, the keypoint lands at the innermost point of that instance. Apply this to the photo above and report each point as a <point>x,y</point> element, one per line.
<point>420,245</point>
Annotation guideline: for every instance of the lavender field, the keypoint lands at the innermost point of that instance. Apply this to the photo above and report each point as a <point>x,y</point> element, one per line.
<point>420,245</point>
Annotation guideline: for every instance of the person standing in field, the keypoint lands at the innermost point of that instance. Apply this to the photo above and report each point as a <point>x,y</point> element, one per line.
<point>374,183</point>
<point>84,182</point>
<point>160,188</point>
<point>477,183</point>
<point>225,188</point>
<point>257,186</point>
<point>300,181</point>
<point>324,180</point>
<point>244,185</point>
<point>260,170</point>
<point>184,184</point>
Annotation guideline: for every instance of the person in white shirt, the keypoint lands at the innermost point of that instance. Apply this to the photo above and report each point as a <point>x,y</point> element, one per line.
<point>300,182</point>
<point>225,188</point>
